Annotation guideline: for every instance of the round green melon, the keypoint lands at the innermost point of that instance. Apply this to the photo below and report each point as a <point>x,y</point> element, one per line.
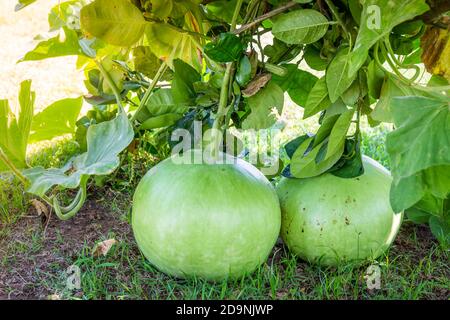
<point>331,220</point>
<point>212,221</point>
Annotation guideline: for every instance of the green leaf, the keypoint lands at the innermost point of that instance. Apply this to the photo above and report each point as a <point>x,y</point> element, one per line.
<point>337,76</point>
<point>160,121</point>
<point>325,129</point>
<point>226,48</point>
<point>117,22</point>
<point>162,8</point>
<point>145,61</point>
<point>440,227</point>
<point>300,26</point>
<point>390,89</point>
<point>222,10</point>
<point>318,99</point>
<point>419,149</point>
<point>298,83</point>
<point>422,138</point>
<point>293,145</point>
<point>338,134</point>
<point>378,19</point>
<point>22,4</point>
<point>261,105</point>
<point>57,119</point>
<point>349,166</point>
<point>64,44</point>
<point>313,58</point>
<point>15,126</point>
<point>303,163</point>
<point>185,76</point>
<point>104,143</point>
<point>65,14</point>
<point>168,44</point>
<point>407,192</point>
<point>352,94</point>
<point>244,71</point>
<point>162,102</point>
<point>375,79</point>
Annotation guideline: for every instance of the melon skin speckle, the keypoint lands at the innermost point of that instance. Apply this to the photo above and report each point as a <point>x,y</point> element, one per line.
<point>212,221</point>
<point>330,220</point>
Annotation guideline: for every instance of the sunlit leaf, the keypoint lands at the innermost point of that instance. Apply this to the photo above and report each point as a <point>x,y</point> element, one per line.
<point>15,126</point>
<point>57,119</point>
<point>116,22</point>
<point>300,26</point>
<point>104,143</point>
<point>261,105</point>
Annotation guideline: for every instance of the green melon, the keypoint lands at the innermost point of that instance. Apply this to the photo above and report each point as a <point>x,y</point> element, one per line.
<point>213,221</point>
<point>329,220</point>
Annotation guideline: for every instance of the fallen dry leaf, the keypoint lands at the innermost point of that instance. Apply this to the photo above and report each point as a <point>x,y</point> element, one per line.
<point>40,207</point>
<point>102,248</point>
<point>256,84</point>
<point>54,297</point>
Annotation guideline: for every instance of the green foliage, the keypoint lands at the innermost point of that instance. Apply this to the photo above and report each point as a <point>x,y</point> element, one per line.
<point>57,119</point>
<point>379,24</point>
<point>214,74</point>
<point>262,104</point>
<point>15,126</point>
<point>226,48</point>
<point>116,22</point>
<point>300,26</point>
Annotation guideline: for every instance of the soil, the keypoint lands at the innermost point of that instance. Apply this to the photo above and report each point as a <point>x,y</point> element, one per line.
<point>22,270</point>
<point>61,244</point>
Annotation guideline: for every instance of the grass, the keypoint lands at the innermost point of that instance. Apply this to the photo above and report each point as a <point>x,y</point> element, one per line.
<point>415,268</point>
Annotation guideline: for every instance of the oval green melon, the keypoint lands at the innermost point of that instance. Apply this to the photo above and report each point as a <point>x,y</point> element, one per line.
<point>329,220</point>
<point>213,221</point>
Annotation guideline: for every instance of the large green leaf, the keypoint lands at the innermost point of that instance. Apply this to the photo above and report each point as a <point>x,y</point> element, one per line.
<point>64,44</point>
<point>104,142</point>
<point>390,89</point>
<point>337,76</point>
<point>145,61</point>
<point>226,48</point>
<point>300,26</point>
<point>169,44</point>
<point>222,9</point>
<point>338,133</point>
<point>162,8</point>
<point>318,98</point>
<point>185,76</point>
<point>298,83</point>
<point>57,119</point>
<point>419,149</point>
<point>407,192</point>
<point>422,138</point>
<point>378,19</point>
<point>117,22</point>
<point>261,105</point>
<point>304,164</point>
<point>162,102</point>
<point>15,126</point>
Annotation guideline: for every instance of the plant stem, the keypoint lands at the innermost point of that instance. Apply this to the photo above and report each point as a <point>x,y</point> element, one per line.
<point>335,13</point>
<point>223,99</point>
<point>110,82</point>
<point>150,89</point>
<point>13,168</point>
<point>265,16</point>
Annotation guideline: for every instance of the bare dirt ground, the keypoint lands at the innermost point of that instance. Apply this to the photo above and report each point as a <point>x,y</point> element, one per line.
<point>36,254</point>
<point>53,79</point>
<point>34,266</point>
